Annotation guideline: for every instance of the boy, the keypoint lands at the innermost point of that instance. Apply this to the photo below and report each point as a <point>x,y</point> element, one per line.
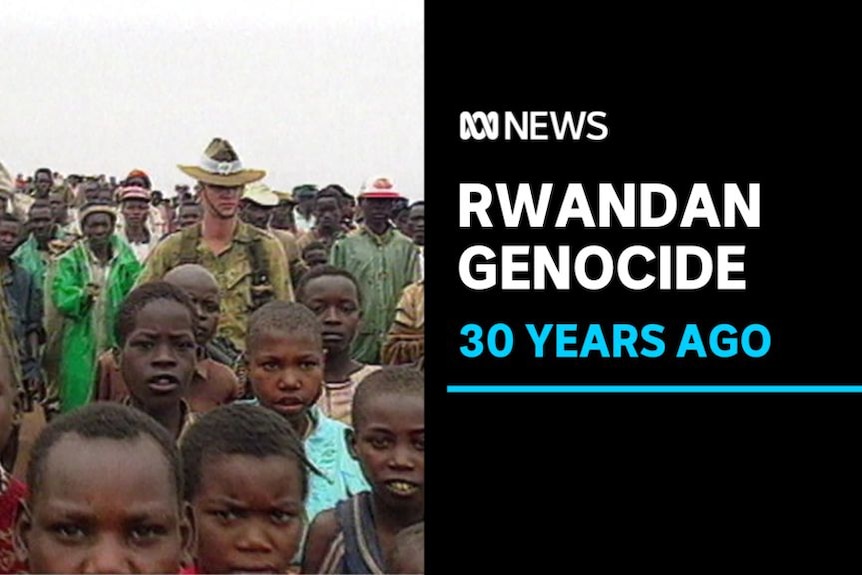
<point>333,295</point>
<point>188,214</point>
<point>285,370</point>
<point>12,491</point>
<point>105,496</point>
<point>315,254</point>
<point>213,383</point>
<point>156,336</point>
<point>246,480</point>
<point>389,442</point>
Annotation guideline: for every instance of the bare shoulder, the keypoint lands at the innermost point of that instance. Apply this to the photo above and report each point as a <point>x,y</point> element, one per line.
<point>223,380</point>
<point>321,534</point>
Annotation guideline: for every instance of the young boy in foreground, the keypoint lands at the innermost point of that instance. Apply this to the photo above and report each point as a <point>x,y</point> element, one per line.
<point>389,442</point>
<point>246,480</point>
<point>212,383</point>
<point>105,496</point>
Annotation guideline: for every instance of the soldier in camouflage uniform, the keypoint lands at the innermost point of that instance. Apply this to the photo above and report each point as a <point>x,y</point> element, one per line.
<point>249,264</point>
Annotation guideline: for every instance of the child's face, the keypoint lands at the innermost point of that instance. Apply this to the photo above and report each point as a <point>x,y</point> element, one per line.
<point>106,506</point>
<point>204,295</point>
<point>6,401</point>
<point>286,372</point>
<point>315,257</point>
<point>158,359</point>
<point>389,442</point>
<point>249,512</point>
<point>9,232</point>
<point>335,302</point>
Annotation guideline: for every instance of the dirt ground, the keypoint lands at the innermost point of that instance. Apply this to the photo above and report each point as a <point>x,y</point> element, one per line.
<point>31,425</point>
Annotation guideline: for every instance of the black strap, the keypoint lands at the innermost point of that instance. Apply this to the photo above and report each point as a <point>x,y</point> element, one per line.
<point>189,244</point>
<point>262,290</point>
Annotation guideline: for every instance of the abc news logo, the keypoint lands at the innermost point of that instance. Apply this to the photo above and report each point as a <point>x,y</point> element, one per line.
<point>534,126</point>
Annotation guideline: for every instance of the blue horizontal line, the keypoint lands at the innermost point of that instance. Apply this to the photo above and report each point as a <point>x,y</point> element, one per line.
<point>654,388</point>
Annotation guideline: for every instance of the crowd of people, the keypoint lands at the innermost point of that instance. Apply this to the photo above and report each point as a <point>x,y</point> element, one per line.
<point>231,379</point>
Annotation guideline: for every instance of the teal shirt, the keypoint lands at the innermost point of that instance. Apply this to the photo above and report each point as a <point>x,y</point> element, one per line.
<point>326,448</point>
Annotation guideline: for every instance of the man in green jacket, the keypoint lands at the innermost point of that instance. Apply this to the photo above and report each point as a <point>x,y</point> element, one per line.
<point>92,280</point>
<point>383,260</point>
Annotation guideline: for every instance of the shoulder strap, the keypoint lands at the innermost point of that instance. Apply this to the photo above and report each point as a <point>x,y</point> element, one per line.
<point>261,286</point>
<point>189,244</point>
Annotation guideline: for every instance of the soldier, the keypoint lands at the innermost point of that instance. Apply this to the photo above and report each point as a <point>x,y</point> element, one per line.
<point>249,264</point>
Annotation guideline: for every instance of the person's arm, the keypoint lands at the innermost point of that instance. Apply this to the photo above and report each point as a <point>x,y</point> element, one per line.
<point>298,267</point>
<point>102,385</point>
<point>278,270</point>
<point>405,341</point>
<point>70,292</point>
<point>321,534</point>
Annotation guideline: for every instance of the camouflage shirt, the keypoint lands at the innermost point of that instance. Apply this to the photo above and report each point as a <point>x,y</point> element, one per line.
<point>233,270</point>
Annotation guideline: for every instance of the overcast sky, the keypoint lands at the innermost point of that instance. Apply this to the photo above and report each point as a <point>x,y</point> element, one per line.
<point>311,91</point>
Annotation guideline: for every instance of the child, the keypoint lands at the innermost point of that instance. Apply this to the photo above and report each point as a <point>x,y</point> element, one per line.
<point>92,279</point>
<point>333,295</point>
<point>408,554</point>
<point>285,370</point>
<point>156,335</point>
<point>188,214</point>
<point>246,479</point>
<point>389,442</point>
<point>105,496</point>
<point>12,491</point>
<point>314,254</point>
<point>213,383</point>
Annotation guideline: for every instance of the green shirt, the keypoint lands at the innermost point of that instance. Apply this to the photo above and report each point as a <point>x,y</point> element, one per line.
<point>232,270</point>
<point>383,265</point>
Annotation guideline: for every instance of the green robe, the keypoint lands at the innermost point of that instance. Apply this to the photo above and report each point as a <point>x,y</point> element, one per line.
<point>383,266</point>
<point>32,260</point>
<point>89,323</point>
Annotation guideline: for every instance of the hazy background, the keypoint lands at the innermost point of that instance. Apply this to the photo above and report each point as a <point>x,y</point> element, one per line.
<point>313,92</point>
